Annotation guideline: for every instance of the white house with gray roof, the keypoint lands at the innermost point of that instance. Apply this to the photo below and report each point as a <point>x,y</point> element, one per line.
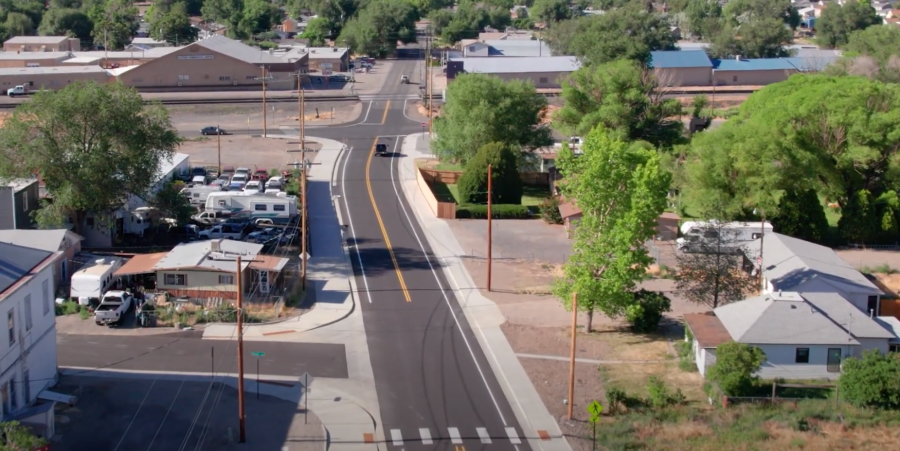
<point>545,72</point>
<point>804,335</point>
<point>792,264</point>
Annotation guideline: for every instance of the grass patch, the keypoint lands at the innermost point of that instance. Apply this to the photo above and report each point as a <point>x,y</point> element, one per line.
<point>626,345</point>
<point>533,196</point>
<point>880,269</point>
<point>634,377</point>
<point>449,167</point>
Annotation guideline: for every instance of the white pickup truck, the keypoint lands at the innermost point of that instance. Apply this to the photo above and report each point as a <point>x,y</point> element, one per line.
<point>19,90</point>
<point>112,307</point>
<point>228,231</point>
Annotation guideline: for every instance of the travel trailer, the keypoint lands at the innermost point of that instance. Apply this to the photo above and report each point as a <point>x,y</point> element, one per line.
<point>198,194</point>
<point>700,235</point>
<point>91,282</point>
<point>279,208</point>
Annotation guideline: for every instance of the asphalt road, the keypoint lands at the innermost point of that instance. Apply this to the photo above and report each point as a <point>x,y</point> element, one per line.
<point>188,352</point>
<point>430,373</point>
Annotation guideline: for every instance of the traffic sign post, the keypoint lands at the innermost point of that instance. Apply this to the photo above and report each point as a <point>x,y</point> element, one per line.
<point>257,355</point>
<point>307,379</point>
<point>594,409</point>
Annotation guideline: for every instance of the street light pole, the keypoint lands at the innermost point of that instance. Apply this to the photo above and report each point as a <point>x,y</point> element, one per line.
<point>490,235</point>
<point>240,351</point>
<point>264,101</point>
<point>303,227</point>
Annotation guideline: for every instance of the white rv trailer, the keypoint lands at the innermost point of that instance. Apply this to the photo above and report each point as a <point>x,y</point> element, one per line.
<point>197,194</point>
<point>279,208</point>
<point>90,282</point>
<point>697,235</point>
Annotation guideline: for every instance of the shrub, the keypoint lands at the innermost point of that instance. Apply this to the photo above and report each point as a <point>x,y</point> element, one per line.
<point>734,368</point>
<point>686,360</point>
<point>67,308</point>
<point>801,215</point>
<point>506,182</point>
<point>550,210</point>
<point>872,381</point>
<point>647,311</point>
<point>660,394</point>
<point>470,211</point>
<point>859,221</point>
<point>84,313</point>
<point>614,399</point>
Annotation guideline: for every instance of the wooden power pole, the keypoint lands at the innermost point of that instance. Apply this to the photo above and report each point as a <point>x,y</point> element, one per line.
<point>303,228</point>
<point>430,83</point>
<point>302,115</point>
<point>219,146</point>
<point>572,356</point>
<point>490,235</point>
<point>240,350</point>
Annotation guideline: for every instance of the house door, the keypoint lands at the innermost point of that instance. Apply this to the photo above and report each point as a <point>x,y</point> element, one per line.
<point>873,305</point>
<point>834,360</point>
<point>264,281</point>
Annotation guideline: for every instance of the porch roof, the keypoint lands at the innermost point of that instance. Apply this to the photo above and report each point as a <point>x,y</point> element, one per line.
<point>141,264</point>
<point>269,263</point>
<point>707,329</point>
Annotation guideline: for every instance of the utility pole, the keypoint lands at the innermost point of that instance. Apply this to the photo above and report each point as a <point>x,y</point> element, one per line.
<point>240,350</point>
<point>490,235</point>
<point>303,256</point>
<point>762,240</point>
<point>430,84</point>
<point>572,356</point>
<point>219,145</point>
<point>264,101</point>
<point>302,118</point>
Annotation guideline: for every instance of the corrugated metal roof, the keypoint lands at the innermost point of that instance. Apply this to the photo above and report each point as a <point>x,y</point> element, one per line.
<point>36,40</point>
<point>672,59</point>
<point>199,254</point>
<point>547,64</point>
<point>8,71</point>
<point>26,56</point>
<point>17,262</point>
<point>752,64</point>
<point>44,239</point>
<point>246,53</point>
<point>518,47</point>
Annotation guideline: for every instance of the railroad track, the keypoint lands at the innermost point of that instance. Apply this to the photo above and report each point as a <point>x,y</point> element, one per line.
<point>11,105</point>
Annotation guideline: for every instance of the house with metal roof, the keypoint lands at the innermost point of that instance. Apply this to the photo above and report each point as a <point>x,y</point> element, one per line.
<point>792,264</point>
<point>545,72</point>
<point>207,270</point>
<point>751,72</point>
<point>681,67</point>
<point>804,335</point>
<point>62,242</point>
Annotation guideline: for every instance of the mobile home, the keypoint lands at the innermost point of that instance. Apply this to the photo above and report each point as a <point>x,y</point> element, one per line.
<point>279,208</point>
<point>89,283</point>
<point>197,194</point>
<point>731,236</point>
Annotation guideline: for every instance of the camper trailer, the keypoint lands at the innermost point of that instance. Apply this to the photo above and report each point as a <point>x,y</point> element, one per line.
<point>279,208</point>
<point>197,194</point>
<point>91,282</point>
<point>715,236</point>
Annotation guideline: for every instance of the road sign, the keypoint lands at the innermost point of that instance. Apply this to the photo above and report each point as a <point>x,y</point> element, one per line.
<point>258,354</point>
<point>595,409</point>
<point>423,125</point>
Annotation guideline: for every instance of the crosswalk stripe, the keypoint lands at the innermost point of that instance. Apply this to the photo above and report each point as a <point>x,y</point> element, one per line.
<point>483,435</point>
<point>454,436</point>
<point>396,437</point>
<point>513,436</point>
<point>426,436</point>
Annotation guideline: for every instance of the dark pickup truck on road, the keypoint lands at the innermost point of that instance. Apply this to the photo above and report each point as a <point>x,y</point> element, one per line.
<point>381,149</point>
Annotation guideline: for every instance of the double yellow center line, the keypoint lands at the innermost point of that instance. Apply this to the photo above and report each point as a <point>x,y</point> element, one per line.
<point>387,239</point>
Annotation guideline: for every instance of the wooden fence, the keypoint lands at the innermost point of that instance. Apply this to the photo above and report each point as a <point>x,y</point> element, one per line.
<point>890,307</point>
<point>452,177</point>
<point>425,178</point>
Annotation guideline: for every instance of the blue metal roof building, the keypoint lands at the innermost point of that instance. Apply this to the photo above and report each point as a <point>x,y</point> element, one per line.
<point>675,59</point>
<point>752,64</point>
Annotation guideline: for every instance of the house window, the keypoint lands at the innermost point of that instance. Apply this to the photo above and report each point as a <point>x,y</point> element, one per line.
<point>734,79</point>
<point>872,305</point>
<point>13,399</point>
<point>221,203</point>
<point>226,280</point>
<point>4,397</point>
<point>26,389</point>
<point>278,207</point>
<point>251,77</point>
<point>260,207</point>
<point>894,348</point>
<point>176,280</point>
<point>802,355</point>
<point>542,80</point>
<point>225,78</point>
<point>11,326</point>
<point>183,77</point>
<point>27,308</point>
<point>45,293</point>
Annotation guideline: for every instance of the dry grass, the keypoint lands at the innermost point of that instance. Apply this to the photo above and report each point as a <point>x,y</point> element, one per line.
<point>633,377</point>
<point>626,345</point>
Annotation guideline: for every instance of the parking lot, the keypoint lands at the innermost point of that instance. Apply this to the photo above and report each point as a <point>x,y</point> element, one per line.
<point>143,413</point>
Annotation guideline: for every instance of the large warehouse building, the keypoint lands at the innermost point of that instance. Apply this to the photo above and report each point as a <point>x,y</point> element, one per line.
<point>51,78</point>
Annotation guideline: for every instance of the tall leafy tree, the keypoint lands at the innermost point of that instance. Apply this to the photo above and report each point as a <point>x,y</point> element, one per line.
<point>115,23</point>
<point>172,203</point>
<point>761,38</point>
<point>66,22</point>
<point>173,26</point>
<point>379,26</point>
<point>258,16</point>
<point>226,12</point>
<point>18,24</point>
<point>92,144</point>
<point>623,97</point>
<point>859,221</point>
<point>748,11</point>
<point>317,31</point>
<point>838,22</point>
<point>506,182</point>
<point>704,17</point>
<point>551,10</point>
<point>482,109</point>
<point>880,43</point>
<point>621,191</point>
<point>800,215</point>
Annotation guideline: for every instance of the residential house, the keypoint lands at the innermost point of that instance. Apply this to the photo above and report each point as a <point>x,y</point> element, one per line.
<point>544,72</point>
<point>64,243</point>
<point>28,349</point>
<point>791,264</point>
<point>206,270</point>
<point>19,200</point>
<point>147,43</point>
<point>42,44</point>
<point>503,48</point>
<point>804,335</point>
<point>666,223</point>
<point>892,324</point>
<point>101,234</point>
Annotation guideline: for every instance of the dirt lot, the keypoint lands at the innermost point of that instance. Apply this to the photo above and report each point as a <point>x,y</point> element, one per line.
<point>250,116</point>
<point>163,415</point>
<point>243,150</point>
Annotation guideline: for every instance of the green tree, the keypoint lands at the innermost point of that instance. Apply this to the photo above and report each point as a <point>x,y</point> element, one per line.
<point>801,215</point>
<point>482,109</point>
<point>378,27</point>
<point>624,33</point>
<point>646,313</point>
<point>888,231</point>
<point>621,191</point>
<point>18,24</point>
<point>859,221</point>
<point>469,19</point>
<point>880,43</point>
<point>93,144</point>
<point>317,31</point>
<point>172,204</point>
<point>837,22</point>
<point>762,38</point>
<point>748,11</point>
<point>31,9</point>
<point>226,12</point>
<point>16,436</point>
<point>66,22</point>
<point>115,23</point>
<point>173,26</point>
<point>735,366</point>
<point>549,11</point>
<point>872,381</point>
<point>623,97</point>
<point>704,17</point>
<point>506,183</point>
<point>258,16</point>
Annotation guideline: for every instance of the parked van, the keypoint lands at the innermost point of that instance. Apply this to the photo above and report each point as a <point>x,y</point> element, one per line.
<point>279,208</point>
<point>198,194</point>
<point>90,283</point>
<point>728,237</point>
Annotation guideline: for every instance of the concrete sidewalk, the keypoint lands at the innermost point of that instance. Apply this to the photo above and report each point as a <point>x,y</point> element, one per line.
<point>482,314</point>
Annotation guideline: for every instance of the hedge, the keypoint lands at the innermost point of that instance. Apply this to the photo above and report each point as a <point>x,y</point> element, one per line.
<point>500,211</point>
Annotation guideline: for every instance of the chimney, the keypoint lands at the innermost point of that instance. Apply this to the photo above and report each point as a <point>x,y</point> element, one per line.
<point>872,313</point>
<point>216,245</point>
<point>737,57</point>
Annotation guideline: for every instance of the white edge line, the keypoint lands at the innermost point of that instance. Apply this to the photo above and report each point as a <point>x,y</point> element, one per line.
<point>446,298</point>
<point>353,229</point>
<point>367,112</point>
